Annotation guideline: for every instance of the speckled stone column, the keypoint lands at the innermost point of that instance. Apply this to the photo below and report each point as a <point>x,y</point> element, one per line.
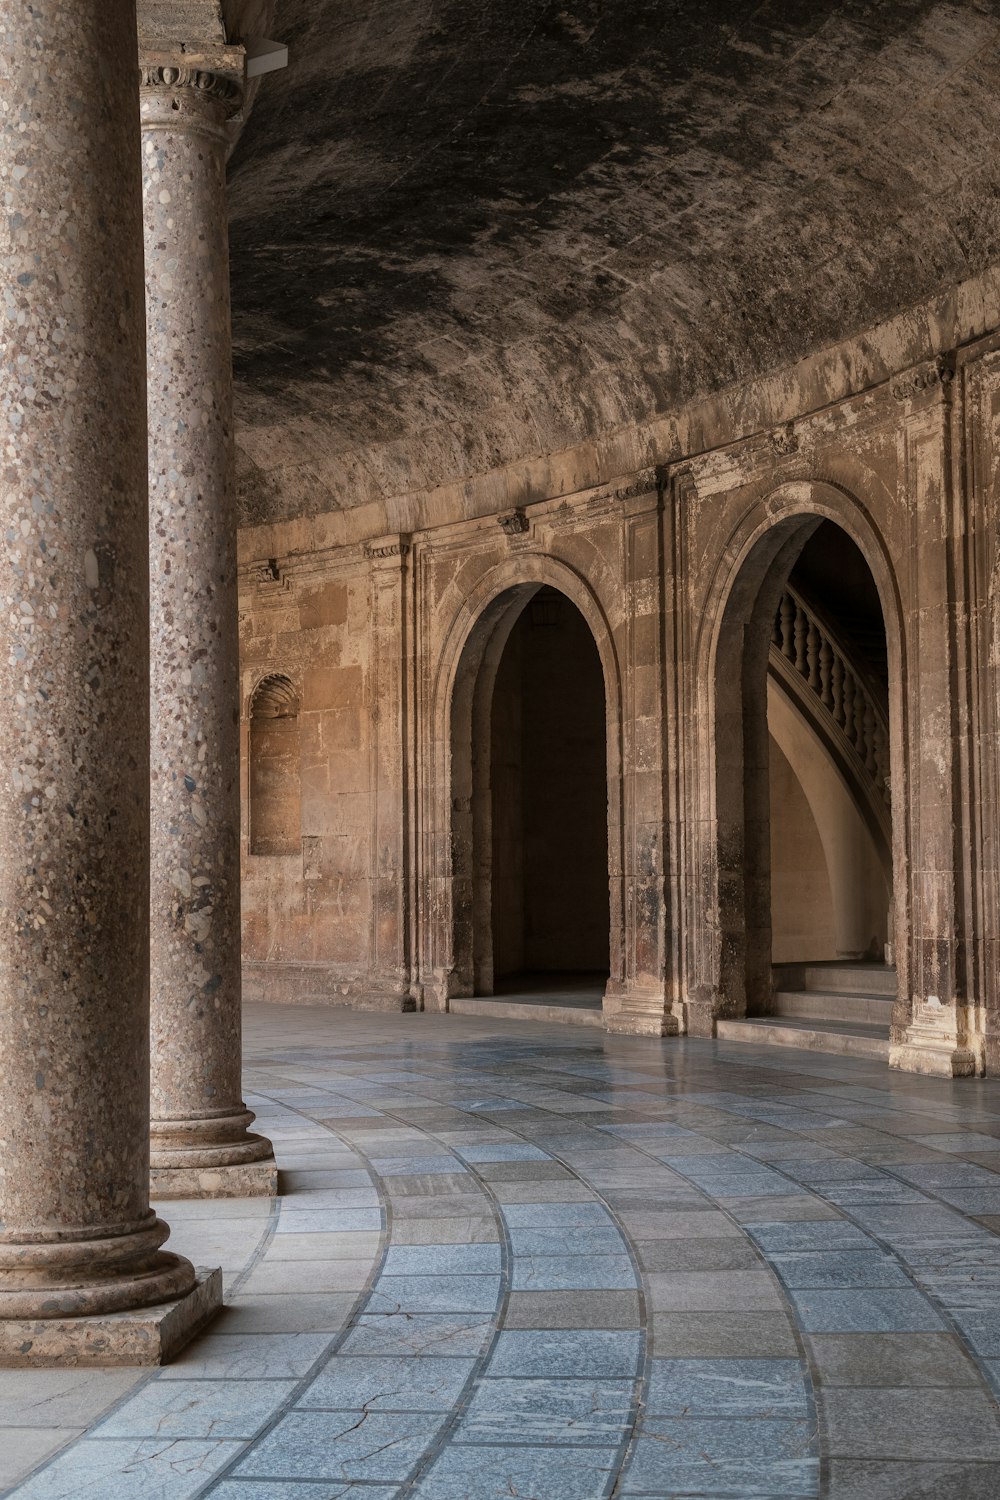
<point>200,1143</point>
<point>78,1240</point>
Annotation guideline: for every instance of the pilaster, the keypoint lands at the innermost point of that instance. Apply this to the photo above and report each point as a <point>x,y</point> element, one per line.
<point>392,767</point>
<point>937,1039</point>
<point>639,1001</point>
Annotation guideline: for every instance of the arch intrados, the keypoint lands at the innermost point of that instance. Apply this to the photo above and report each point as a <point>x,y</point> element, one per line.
<point>482,612</point>
<point>773,515</point>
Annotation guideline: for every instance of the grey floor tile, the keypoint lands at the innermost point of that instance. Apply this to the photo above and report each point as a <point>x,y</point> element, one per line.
<point>24,1448</point>
<point>547,1411</point>
<point>247,1356</point>
<point>442,1260</point>
<point>196,1409</point>
<point>839,1268</point>
<point>551,1273</point>
<point>286,1313</point>
<point>499,1473</point>
<point>565,1240</point>
<point>403,1335</point>
<point>792,1239</point>
<point>692,1456</point>
<point>255,1489</point>
<point>61,1398</point>
<point>877,1311</point>
<point>340,1445</point>
<point>422,1384</point>
<point>755,1388</point>
<point>308,1277</point>
<point>555,1353</point>
<point>423,1294</point>
<point>153,1469</point>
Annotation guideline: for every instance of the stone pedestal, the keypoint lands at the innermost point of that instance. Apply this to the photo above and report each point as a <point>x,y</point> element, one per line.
<point>201,1146</point>
<point>632,1011</point>
<point>79,1244</point>
<point>940,1041</point>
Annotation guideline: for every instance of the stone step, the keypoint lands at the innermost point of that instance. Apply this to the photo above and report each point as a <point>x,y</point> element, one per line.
<point>831,1005</point>
<point>773,1031</point>
<point>844,979</point>
<point>498,1008</point>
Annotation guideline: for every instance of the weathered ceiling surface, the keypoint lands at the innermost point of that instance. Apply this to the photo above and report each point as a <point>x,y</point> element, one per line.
<point>465,232</point>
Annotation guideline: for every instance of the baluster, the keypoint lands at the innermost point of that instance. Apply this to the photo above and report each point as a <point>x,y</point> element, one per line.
<point>881,758</point>
<point>848,719</point>
<point>869,741</point>
<point>837,689</point>
<point>812,657</point>
<point>825,668</point>
<point>786,619</point>
<point>859,718</point>
<point>801,631</point>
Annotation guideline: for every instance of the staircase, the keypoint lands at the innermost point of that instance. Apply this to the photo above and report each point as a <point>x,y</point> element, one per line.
<point>843,1008</point>
<point>837,693</point>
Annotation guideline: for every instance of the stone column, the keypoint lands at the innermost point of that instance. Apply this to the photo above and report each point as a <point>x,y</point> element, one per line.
<point>78,1241</point>
<point>200,1143</point>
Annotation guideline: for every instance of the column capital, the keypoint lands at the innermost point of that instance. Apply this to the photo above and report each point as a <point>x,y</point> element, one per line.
<point>216,78</point>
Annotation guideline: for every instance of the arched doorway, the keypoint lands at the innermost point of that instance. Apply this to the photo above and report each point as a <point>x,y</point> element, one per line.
<point>529,774</point>
<point>803,795</point>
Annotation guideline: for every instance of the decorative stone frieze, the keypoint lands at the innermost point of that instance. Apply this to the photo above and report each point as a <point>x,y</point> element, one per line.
<point>929,378</point>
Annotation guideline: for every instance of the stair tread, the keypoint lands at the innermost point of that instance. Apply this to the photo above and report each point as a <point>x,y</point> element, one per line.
<point>860,1039</point>
<point>805,1023</point>
<point>840,995</point>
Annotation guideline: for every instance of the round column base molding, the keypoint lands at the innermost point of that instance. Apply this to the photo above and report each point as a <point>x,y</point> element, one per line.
<point>177,1147</point>
<point>160,1277</point>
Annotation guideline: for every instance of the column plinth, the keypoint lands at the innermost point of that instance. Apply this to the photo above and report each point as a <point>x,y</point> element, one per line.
<point>200,1142</point>
<point>80,1250</point>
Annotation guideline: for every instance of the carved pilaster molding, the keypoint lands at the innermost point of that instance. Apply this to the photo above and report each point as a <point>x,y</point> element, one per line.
<point>385,548</point>
<point>513,522</point>
<point>930,379</point>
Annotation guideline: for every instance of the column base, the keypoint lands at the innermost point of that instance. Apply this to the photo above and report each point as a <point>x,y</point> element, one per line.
<point>636,1012</point>
<point>940,1042</point>
<point>251,1179</point>
<point>145,1336</point>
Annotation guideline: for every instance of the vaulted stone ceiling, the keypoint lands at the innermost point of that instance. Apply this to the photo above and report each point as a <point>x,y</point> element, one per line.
<point>468,232</point>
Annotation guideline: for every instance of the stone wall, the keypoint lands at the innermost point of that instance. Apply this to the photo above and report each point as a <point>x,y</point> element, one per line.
<point>677,571</point>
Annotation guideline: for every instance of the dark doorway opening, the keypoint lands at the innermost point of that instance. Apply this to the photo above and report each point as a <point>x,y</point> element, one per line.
<point>548,815</point>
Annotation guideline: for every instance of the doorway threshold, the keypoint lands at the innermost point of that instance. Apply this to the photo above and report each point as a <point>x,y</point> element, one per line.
<point>566,999</point>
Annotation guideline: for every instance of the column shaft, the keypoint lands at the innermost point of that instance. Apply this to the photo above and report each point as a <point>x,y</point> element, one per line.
<point>77,1237</point>
<point>200,1142</point>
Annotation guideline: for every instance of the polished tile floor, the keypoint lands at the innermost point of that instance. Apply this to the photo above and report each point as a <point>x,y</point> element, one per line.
<point>536,1262</point>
